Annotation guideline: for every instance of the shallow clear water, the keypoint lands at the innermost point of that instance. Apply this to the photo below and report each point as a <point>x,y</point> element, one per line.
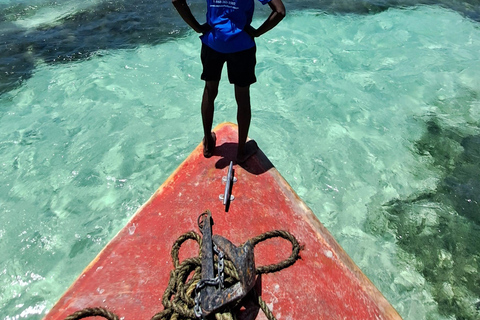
<point>372,118</point>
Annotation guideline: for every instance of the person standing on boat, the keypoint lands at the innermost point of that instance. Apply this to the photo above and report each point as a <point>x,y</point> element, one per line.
<point>228,36</point>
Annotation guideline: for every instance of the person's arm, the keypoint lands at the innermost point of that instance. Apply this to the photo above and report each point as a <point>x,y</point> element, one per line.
<point>186,14</point>
<point>277,14</point>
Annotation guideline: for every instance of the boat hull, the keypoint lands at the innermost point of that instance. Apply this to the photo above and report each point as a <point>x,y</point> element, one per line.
<point>131,273</point>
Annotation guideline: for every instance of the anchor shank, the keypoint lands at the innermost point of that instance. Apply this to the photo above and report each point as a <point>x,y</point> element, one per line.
<point>208,270</point>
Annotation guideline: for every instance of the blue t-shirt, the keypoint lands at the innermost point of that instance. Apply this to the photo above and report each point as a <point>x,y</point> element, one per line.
<point>228,18</point>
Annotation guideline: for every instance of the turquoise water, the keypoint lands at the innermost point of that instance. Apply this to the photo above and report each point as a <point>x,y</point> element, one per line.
<point>372,117</point>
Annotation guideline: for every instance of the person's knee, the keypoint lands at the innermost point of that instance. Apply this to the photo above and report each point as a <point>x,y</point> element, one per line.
<point>242,95</point>
<point>211,87</point>
<point>242,91</point>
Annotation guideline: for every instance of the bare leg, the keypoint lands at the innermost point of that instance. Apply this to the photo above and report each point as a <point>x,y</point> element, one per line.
<point>244,115</point>
<point>209,94</point>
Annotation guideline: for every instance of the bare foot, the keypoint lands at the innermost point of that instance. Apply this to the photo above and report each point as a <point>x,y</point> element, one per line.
<point>251,148</point>
<point>209,145</point>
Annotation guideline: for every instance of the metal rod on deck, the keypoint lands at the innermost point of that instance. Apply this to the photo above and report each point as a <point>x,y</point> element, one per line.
<point>228,185</point>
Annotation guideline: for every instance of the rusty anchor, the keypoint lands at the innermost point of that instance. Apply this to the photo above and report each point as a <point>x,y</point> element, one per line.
<point>210,294</point>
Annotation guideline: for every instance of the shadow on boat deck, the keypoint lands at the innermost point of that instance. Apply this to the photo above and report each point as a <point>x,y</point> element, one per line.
<point>228,150</point>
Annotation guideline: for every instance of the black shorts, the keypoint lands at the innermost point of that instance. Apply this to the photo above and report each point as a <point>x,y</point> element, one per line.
<point>240,65</point>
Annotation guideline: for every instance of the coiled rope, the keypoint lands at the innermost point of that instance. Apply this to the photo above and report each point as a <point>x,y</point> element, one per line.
<point>178,298</point>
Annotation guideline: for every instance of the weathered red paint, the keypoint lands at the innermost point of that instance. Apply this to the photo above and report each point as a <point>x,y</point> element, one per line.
<point>129,276</point>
